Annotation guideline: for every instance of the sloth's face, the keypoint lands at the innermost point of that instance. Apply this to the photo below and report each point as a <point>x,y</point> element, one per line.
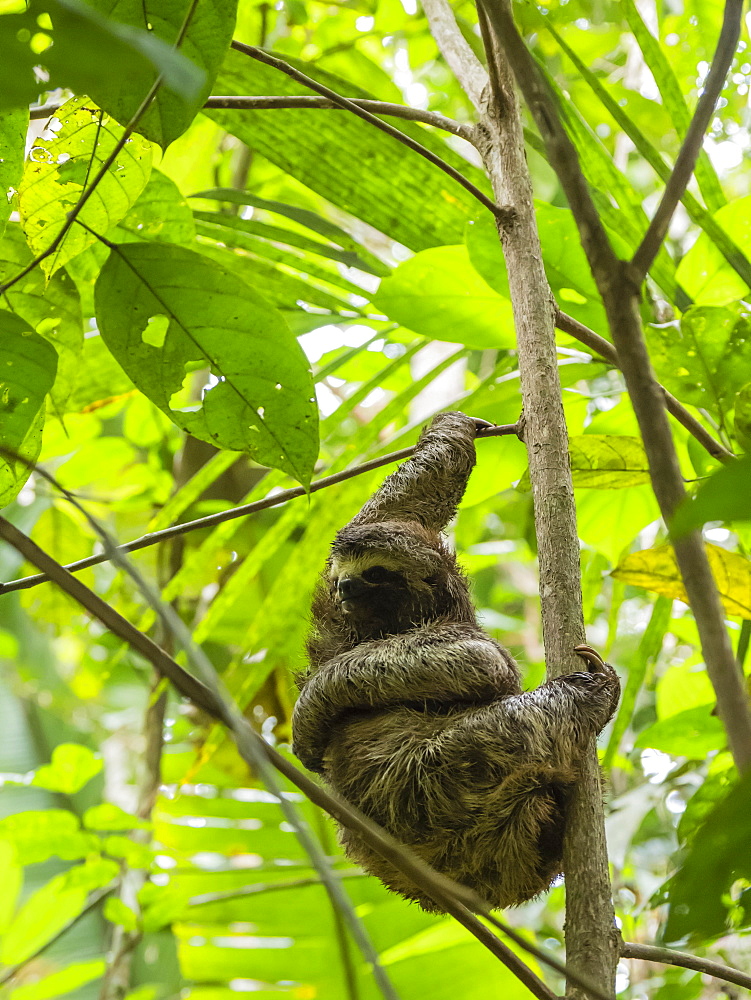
<point>379,594</point>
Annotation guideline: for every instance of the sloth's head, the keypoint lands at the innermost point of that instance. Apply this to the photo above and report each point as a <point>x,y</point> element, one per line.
<point>390,576</point>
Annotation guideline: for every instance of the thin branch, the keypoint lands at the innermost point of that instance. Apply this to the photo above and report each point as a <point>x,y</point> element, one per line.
<point>212,520</point>
<point>462,61</point>
<point>457,900</point>
<point>606,350</point>
<point>274,103</point>
<point>620,291</point>
<point>205,898</point>
<point>501,213</point>
<point>692,144</point>
<point>374,107</point>
<point>651,953</point>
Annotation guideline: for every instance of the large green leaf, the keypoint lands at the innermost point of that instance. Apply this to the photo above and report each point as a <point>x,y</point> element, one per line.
<point>354,166</point>
<point>61,167</point>
<point>28,364</point>
<point>439,294</point>
<point>83,51</point>
<point>203,32</point>
<point>165,312</point>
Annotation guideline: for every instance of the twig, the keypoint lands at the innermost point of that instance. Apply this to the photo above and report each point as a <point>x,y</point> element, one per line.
<point>620,291</point>
<point>501,213</point>
<point>462,61</point>
<point>274,103</point>
<point>455,899</point>
<point>211,520</point>
<point>205,898</point>
<point>651,953</point>
<point>692,144</point>
<point>606,350</point>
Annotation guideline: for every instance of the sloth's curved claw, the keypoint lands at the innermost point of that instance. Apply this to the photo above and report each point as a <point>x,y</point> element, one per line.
<point>594,661</point>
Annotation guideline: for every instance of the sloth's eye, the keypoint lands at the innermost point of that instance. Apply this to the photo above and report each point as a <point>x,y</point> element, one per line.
<point>376,574</point>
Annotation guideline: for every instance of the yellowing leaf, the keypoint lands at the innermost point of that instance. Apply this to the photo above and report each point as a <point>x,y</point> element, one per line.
<point>656,569</point>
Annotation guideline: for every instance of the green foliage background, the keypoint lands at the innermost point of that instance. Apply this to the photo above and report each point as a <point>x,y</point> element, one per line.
<point>251,299</point>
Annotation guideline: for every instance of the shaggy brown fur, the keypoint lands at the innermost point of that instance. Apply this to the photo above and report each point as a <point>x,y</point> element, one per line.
<point>417,716</point>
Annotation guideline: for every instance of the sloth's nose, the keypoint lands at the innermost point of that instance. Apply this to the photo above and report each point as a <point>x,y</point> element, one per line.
<point>351,587</point>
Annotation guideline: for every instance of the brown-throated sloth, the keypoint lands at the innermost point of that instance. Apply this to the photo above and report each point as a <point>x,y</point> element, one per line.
<point>416,716</point>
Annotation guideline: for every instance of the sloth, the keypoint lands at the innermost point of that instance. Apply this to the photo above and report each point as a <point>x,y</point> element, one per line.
<point>415,715</point>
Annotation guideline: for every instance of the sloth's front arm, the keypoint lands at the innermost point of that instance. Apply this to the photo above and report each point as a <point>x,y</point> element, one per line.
<point>436,664</point>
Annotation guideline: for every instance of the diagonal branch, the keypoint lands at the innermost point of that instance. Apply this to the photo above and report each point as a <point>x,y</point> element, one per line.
<point>692,144</point>
<point>501,213</point>
<point>462,61</point>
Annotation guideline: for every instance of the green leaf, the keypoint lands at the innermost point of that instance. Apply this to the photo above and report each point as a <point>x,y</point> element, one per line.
<point>720,854</point>
<point>64,981</point>
<point>83,51</point>
<point>159,213</point>
<point>61,167</point>
<point>72,767</point>
<point>49,909</point>
<point>117,912</point>
<point>693,733</point>
<point>656,569</point>
<point>42,834</point>
<point>277,235</point>
<point>725,496</point>
<point>705,271</point>
<point>107,816</point>
<point>440,295</point>
<point>304,217</point>
<point>742,417</point>
<point>565,262</point>
<point>673,99</point>
<point>13,125</point>
<point>52,308</point>
<point>704,359</point>
<point>203,44</point>
<point>166,312</point>
<point>12,882</point>
<point>354,166</point>
<point>28,364</point>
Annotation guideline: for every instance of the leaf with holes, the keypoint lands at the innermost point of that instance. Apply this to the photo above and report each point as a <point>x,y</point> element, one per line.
<point>27,372</point>
<point>656,569</point>
<point>60,167</point>
<point>166,312</point>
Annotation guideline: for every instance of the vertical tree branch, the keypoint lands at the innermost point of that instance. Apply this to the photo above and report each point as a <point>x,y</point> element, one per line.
<point>591,940</point>
<point>619,287</point>
<point>462,61</point>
